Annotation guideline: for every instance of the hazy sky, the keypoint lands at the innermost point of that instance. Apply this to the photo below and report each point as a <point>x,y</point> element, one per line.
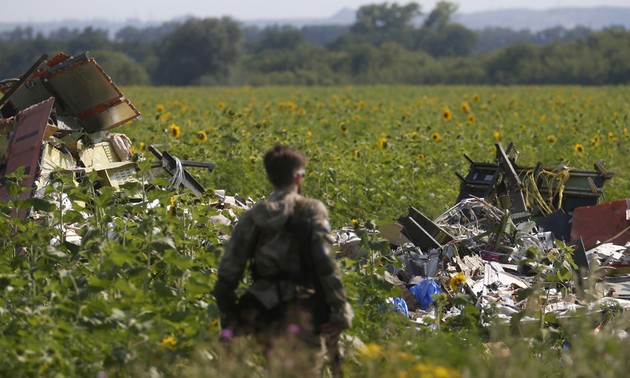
<point>160,10</point>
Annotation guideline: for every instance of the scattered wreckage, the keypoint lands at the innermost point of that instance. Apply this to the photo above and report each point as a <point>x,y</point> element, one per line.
<point>512,230</point>
<point>501,235</point>
<point>58,116</point>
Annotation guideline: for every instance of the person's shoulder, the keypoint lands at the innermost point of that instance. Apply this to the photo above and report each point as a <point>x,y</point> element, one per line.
<point>313,206</point>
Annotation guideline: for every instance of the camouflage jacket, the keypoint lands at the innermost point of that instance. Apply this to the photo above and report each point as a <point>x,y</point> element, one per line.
<point>263,235</point>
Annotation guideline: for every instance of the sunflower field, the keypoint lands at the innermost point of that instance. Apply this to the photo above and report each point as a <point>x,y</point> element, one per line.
<point>139,303</point>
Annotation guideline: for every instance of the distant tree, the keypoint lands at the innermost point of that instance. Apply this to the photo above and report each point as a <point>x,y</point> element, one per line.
<point>515,64</point>
<point>385,17</point>
<point>199,47</point>
<point>279,38</point>
<point>440,16</point>
<point>18,34</point>
<point>449,40</point>
<point>64,34</point>
<point>88,39</point>
<point>148,34</point>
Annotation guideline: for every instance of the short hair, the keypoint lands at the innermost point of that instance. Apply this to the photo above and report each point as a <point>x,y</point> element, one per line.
<point>281,164</point>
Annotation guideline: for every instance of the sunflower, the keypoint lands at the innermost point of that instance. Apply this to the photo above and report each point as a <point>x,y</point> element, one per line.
<point>159,108</point>
<point>168,343</point>
<point>421,156</point>
<point>173,201</point>
<point>595,140</point>
<point>343,127</point>
<point>436,136</point>
<point>361,104</point>
<point>221,105</point>
<point>456,281</point>
<point>176,132</point>
<point>466,107</point>
<point>578,147</point>
<point>309,134</point>
<point>356,154</point>
<point>141,146</point>
<point>551,139</point>
<point>446,114</point>
<point>476,98</point>
<point>471,118</point>
<point>201,136</point>
<point>497,136</point>
<point>382,142</point>
<point>612,137</point>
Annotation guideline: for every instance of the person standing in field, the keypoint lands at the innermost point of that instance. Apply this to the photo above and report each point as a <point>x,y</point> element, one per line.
<point>296,298</point>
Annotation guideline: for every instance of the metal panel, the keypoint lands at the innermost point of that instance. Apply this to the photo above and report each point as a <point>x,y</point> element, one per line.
<point>25,146</point>
<point>604,223</point>
<point>82,91</point>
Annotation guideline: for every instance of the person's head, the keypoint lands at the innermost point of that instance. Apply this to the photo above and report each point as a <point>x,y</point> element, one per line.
<point>284,166</point>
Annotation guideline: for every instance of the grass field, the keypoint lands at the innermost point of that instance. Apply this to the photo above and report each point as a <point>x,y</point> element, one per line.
<point>138,304</point>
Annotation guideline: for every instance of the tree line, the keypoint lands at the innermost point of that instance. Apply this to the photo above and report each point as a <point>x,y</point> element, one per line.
<point>389,43</point>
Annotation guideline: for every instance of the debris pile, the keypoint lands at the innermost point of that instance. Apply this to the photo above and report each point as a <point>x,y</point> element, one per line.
<point>514,230</point>
<point>58,116</point>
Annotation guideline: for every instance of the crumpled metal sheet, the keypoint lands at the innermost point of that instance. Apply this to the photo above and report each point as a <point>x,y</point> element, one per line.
<point>83,93</point>
<point>25,146</point>
<point>602,223</point>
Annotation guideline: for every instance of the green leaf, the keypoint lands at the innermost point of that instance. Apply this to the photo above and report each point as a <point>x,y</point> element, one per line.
<point>41,204</point>
<point>54,254</point>
<point>162,244</point>
<point>120,257</point>
<point>163,290</point>
<point>174,258</point>
<point>524,293</point>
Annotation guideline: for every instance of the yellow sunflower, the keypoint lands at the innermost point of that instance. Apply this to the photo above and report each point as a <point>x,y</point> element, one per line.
<point>159,108</point>
<point>436,136</point>
<point>421,156</point>
<point>578,147</point>
<point>595,140</point>
<point>466,107</point>
<point>446,114</point>
<point>309,134</point>
<point>201,136</point>
<point>343,127</point>
<point>551,139</point>
<point>356,154</point>
<point>168,343</point>
<point>497,136</point>
<point>471,118</point>
<point>456,281</point>
<point>141,146</point>
<point>382,142</point>
<point>176,132</point>
<point>221,105</point>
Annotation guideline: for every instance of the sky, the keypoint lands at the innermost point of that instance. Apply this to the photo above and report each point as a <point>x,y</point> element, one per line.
<point>243,10</point>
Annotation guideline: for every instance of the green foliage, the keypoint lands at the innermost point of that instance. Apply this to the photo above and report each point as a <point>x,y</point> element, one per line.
<point>132,298</point>
<point>199,47</point>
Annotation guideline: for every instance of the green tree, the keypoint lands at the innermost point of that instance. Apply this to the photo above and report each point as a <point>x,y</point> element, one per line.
<point>440,16</point>
<point>198,48</point>
<point>385,17</point>
<point>88,40</point>
<point>279,38</point>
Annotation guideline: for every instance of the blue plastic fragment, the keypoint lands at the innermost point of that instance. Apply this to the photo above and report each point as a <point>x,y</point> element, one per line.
<point>400,305</point>
<point>423,292</point>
